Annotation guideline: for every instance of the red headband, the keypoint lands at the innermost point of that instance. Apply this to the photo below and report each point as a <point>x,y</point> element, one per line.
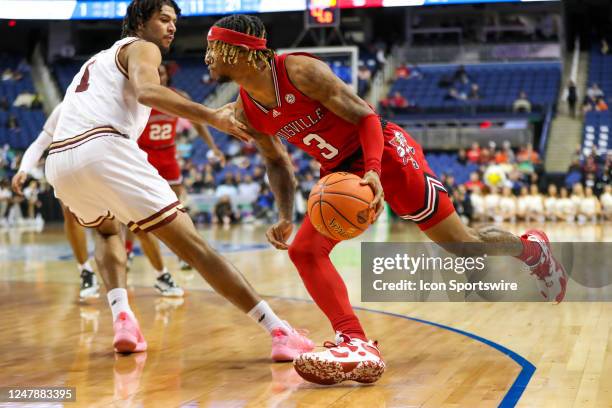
<point>236,38</point>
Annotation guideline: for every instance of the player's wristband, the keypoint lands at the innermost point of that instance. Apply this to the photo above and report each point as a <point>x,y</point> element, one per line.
<point>372,141</point>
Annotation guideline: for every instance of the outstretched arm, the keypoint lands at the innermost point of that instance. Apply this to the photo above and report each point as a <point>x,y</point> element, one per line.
<point>35,151</point>
<point>204,133</point>
<point>142,59</point>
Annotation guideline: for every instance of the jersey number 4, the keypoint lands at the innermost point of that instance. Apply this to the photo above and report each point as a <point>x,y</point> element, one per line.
<point>321,144</point>
<point>160,132</point>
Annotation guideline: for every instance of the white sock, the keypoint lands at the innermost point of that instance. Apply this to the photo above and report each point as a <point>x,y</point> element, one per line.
<point>118,301</point>
<point>86,265</point>
<point>160,273</point>
<point>263,314</point>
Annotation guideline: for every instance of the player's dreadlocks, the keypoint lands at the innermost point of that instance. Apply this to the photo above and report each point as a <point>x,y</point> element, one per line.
<point>250,25</point>
<point>140,11</point>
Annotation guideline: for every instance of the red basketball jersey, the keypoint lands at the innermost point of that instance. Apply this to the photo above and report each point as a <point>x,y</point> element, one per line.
<point>160,131</point>
<point>302,121</point>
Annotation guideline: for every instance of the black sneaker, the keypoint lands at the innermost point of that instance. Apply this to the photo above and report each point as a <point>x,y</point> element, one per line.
<point>166,286</point>
<point>89,285</point>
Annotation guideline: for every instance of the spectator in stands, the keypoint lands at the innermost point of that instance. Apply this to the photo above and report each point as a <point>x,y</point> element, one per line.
<point>577,195</point>
<point>590,165</point>
<point>589,208</point>
<point>224,212</point>
<point>605,199</point>
<point>551,203</point>
<point>506,211</point>
<point>566,209</point>
<point>485,156</point>
<point>364,77</point>
<point>30,193</point>
<point>527,159</point>
<point>522,104</point>
<point>461,75</point>
<point>264,206</point>
<point>522,203</point>
<point>449,183</point>
<point>463,204</point>
<point>507,148</point>
<point>7,74</point>
<point>474,94</point>
<point>258,174</point>
<point>462,157</point>
<point>601,105</point>
<point>594,93</point>
<point>491,202</point>
<point>306,184</point>
<point>473,154</point>
<point>572,98</point>
<point>227,188</point>
<point>26,99</point>
<point>4,104</point>
<point>535,207</point>
<point>396,102</point>
<point>248,189</point>
<point>474,182</point>
<point>5,197</point>
<point>12,123</point>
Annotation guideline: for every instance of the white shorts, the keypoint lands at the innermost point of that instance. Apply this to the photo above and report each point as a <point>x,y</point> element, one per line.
<point>103,176</point>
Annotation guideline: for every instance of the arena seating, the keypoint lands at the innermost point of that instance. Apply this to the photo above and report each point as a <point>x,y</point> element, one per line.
<point>500,85</point>
<point>597,125</point>
<point>30,121</point>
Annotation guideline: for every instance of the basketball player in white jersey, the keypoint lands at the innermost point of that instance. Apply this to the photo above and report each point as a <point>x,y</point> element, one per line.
<point>102,176</point>
<point>75,232</point>
<point>606,202</point>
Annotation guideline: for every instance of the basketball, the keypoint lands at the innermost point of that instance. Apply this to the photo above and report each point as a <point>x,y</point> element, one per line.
<point>338,206</point>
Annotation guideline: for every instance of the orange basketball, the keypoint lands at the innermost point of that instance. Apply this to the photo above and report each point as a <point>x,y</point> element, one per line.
<point>338,206</point>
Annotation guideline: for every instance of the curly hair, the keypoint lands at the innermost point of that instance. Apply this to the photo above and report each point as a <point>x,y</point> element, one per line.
<point>140,11</point>
<point>250,25</point>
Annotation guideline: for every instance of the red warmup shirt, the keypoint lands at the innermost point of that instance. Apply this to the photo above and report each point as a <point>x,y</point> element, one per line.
<point>302,121</point>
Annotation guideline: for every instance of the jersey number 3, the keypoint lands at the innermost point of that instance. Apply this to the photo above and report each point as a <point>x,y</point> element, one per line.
<point>321,144</point>
<point>160,132</point>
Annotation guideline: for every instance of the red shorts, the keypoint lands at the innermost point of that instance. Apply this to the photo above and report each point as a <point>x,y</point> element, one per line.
<point>411,188</point>
<point>164,160</point>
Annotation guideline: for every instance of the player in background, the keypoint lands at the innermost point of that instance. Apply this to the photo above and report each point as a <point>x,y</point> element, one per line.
<point>297,97</point>
<point>104,178</point>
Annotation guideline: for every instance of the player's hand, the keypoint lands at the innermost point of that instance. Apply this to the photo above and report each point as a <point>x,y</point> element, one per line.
<point>219,156</point>
<point>18,181</point>
<point>372,179</point>
<point>279,233</point>
<point>226,121</point>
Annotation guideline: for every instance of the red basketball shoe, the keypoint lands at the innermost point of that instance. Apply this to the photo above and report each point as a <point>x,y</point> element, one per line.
<point>550,273</point>
<point>347,359</point>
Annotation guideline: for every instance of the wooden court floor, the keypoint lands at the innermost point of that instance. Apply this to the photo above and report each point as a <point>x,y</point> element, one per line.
<point>204,353</point>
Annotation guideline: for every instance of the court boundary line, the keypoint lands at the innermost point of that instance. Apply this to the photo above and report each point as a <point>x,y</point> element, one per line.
<point>518,387</point>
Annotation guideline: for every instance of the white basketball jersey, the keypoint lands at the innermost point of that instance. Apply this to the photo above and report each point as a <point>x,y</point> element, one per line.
<point>101,96</point>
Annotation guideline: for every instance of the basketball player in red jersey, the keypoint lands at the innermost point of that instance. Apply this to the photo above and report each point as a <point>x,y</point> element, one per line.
<point>158,140</point>
<point>297,98</point>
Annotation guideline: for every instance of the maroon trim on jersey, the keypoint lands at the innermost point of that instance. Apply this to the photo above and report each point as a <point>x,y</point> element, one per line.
<point>120,67</point>
<point>83,138</point>
<point>94,223</point>
<point>159,218</point>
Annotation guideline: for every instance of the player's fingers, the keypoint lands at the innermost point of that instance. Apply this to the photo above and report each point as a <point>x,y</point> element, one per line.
<point>270,235</point>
